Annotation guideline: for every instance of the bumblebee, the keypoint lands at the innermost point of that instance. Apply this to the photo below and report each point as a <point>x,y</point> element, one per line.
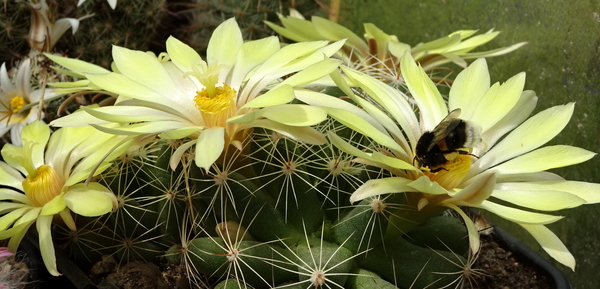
<point>449,139</point>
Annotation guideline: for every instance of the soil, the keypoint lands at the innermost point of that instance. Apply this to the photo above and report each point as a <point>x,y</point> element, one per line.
<point>503,270</point>
<point>138,274</point>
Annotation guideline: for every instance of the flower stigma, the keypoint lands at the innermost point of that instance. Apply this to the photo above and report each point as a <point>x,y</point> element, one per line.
<point>453,173</point>
<point>43,186</point>
<point>213,99</point>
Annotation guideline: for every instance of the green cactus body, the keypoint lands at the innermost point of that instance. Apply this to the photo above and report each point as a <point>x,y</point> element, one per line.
<point>323,264</point>
<point>173,255</point>
<point>232,284</point>
<point>441,233</point>
<point>265,222</point>
<point>410,265</point>
<point>255,263</point>
<point>364,279</point>
<point>87,246</point>
<point>362,228</point>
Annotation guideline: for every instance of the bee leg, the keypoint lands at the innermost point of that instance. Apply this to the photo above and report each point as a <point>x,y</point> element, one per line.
<point>466,153</point>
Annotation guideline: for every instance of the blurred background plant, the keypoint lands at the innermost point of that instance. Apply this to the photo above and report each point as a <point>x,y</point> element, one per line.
<point>298,226</point>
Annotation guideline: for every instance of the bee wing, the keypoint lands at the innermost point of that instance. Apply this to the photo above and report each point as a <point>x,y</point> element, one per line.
<point>447,124</point>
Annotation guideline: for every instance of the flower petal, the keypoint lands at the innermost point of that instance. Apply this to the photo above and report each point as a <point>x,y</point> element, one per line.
<point>143,68</point>
<point>544,159</point>
<point>11,217</point>
<point>5,82</point>
<point>54,206</point>
<point>530,177</point>
<point>476,192</point>
<point>125,86</point>
<point>13,156</point>
<point>530,135</point>
<point>346,147</point>
<point>312,72</point>
<point>46,245</point>
<point>381,186</point>
<point>320,99</point>
<point>392,162</point>
<point>181,54</point>
<point>176,156</point>
<point>431,104</point>
<point>280,95</point>
<point>468,87</point>
<point>180,133</point>
<point>590,192</point>
<point>250,55</point>
<point>77,65</point>
<point>9,206</point>
<point>23,78</point>
<point>209,147</point>
<point>519,113</point>
<point>90,201</point>
<point>333,31</point>
<point>295,114</point>
<point>224,44</point>
<point>502,98</point>
<point>39,133</point>
<point>392,100</point>
<point>16,233</point>
<point>519,216</point>
<point>287,59</point>
<point>12,195</point>
<point>63,143</point>
<point>474,241</point>
<point>360,125</point>
<point>551,244</point>
<point>129,114</point>
<point>425,185</point>
<point>303,134</point>
<point>142,128</point>
<point>78,118</point>
<point>299,30</point>
<point>543,200</point>
<point>10,177</point>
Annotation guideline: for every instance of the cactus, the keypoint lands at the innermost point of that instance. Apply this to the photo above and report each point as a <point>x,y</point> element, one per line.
<point>14,26</point>
<point>270,211</point>
<point>131,24</point>
<point>237,225</point>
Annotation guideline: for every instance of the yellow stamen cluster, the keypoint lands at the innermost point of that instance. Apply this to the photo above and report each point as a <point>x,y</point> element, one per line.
<point>43,186</point>
<point>223,99</point>
<point>455,171</point>
<point>16,103</point>
<point>212,107</point>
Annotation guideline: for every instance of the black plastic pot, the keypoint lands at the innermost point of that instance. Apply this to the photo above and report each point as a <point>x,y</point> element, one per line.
<point>530,257</point>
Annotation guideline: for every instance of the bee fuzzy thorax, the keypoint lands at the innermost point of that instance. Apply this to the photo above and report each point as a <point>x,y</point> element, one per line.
<point>451,138</point>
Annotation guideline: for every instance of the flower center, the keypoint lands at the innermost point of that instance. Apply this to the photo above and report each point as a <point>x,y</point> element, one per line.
<point>43,186</point>
<point>215,103</point>
<point>455,171</point>
<point>222,99</point>
<point>16,103</point>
